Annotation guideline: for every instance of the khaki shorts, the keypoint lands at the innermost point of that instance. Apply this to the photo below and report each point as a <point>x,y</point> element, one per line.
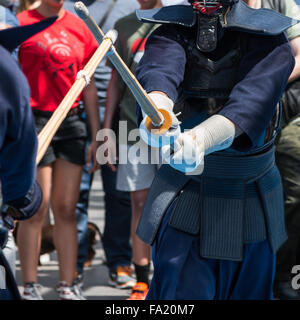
<point>132,176</point>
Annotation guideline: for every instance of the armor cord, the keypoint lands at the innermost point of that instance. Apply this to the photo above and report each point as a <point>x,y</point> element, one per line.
<point>198,5</point>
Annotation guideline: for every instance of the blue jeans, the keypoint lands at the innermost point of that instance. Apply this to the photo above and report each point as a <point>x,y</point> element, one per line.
<point>116,235</point>
<point>82,217</point>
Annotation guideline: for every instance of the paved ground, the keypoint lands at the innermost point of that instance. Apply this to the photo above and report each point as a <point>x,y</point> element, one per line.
<point>96,276</point>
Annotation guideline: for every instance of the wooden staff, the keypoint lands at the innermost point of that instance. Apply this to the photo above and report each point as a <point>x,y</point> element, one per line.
<point>159,120</point>
<point>49,130</point>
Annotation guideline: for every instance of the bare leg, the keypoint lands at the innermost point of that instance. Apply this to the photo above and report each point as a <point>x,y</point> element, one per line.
<point>140,250</point>
<point>65,193</point>
<point>29,231</point>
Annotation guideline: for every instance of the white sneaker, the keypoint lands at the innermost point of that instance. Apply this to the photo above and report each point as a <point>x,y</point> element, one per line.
<point>66,292</point>
<point>31,291</point>
<point>45,259</point>
<point>77,286</point>
<point>78,291</point>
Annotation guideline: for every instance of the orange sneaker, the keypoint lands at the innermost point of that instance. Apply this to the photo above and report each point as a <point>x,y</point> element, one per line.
<point>121,278</point>
<point>139,291</point>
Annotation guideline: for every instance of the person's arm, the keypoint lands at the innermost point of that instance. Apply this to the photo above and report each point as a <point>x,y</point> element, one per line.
<point>22,195</point>
<point>162,66</point>
<point>112,99</point>
<point>189,148</point>
<point>90,100</point>
<point>90,97</point>
<point>112,102</point>
<point>18,140</point>
<point>262,77</point>
<point>291,9</point>
<point>11,19</point>
<point>295,44</point>
<point>114,89</point>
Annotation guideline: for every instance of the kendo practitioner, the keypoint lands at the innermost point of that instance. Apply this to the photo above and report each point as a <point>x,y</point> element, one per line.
<point>21,193</point>
<point>214,214</point>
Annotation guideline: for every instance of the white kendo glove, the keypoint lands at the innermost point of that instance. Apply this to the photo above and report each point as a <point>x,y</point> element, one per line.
<point>187,154</point>
<point>154,140</point>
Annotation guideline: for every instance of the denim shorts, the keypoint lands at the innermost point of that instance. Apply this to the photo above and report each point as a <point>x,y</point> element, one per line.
<point>68,142</point>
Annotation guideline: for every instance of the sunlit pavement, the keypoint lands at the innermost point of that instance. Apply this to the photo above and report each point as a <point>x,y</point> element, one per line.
<point>95,277</point>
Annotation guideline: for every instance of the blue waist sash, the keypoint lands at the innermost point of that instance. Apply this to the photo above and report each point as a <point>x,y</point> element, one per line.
<point>237,200</point>
<point>234,166</point>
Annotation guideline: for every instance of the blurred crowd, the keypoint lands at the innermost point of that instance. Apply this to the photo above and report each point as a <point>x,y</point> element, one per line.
<point>50,60</point>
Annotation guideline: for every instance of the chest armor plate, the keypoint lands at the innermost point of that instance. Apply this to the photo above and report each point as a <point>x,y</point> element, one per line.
<point>208,81</point>
<point>207,78</point>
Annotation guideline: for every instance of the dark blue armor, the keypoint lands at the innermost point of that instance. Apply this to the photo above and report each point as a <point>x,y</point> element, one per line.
<point>240,17</point>
<point>238,199</point>
<point>22,195</point>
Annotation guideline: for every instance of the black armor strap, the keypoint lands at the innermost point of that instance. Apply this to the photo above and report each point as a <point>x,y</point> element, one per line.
<point>207,36</point>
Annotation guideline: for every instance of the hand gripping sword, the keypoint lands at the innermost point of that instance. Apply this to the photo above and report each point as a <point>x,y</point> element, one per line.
<point>159,121</point>
<point>49,130</point>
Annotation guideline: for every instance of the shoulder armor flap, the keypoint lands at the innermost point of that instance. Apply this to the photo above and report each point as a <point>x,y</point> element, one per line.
<point>261,21</point>
<point>180,14</point>
<point>11,38</point>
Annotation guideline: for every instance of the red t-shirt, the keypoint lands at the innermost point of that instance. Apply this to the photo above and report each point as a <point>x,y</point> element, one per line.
<point>51,58</point>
